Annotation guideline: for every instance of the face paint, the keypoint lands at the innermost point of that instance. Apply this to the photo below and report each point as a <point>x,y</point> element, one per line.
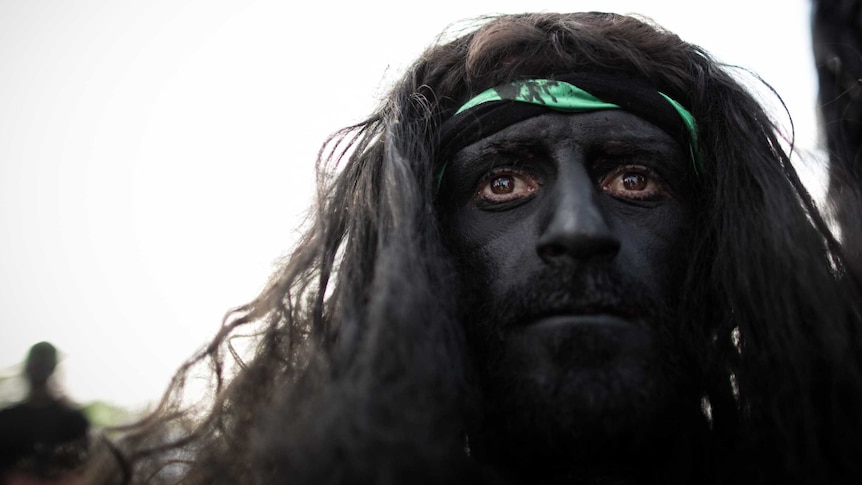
<point>567,227</point>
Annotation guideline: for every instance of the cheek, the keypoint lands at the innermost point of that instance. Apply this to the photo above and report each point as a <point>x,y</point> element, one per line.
<point>650,249</point>
<point>501,251</point>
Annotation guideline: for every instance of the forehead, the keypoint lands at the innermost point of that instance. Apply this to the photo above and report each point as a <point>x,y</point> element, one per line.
<point>605,130</point>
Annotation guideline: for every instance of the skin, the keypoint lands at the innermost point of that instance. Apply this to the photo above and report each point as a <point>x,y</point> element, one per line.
<point>569,228</point>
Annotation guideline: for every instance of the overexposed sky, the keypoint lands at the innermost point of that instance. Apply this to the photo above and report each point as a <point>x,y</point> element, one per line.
<point>155,155</point>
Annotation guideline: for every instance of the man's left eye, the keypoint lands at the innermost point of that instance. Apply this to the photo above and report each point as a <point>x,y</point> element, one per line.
<point>633,182</point>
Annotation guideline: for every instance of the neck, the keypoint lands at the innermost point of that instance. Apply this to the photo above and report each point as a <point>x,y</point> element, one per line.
<point>39,394</point>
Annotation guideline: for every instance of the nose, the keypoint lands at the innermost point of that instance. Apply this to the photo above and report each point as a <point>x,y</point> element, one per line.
<point>577,229</point>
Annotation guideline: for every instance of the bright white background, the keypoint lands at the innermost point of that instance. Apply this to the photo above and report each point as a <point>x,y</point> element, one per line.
<point>155,155</point>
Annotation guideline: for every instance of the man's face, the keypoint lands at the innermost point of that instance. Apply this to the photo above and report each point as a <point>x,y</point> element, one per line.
<point>567,229</point>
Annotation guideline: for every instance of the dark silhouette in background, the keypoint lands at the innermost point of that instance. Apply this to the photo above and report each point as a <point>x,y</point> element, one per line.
<point>43,439</point>
<point>837,43</point>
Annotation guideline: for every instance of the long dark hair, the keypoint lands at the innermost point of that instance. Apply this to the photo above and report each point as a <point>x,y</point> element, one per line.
<point>360,372</point>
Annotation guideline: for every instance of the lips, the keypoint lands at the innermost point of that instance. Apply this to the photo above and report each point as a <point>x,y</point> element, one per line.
<point>562,292</point>
<point>578,342</point>
<point>587,312</point>
<point>604,320</point>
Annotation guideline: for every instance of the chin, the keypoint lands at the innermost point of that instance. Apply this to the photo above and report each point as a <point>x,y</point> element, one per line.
<point>568,389</point>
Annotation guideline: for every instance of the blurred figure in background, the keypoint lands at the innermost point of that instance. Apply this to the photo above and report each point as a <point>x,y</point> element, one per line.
<point>837,43</point>
<point>43,439</point>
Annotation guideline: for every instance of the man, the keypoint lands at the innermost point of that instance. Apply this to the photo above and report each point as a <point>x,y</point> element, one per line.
<point>837,41</point>
<point>43,440</point>
<point>568,248</point>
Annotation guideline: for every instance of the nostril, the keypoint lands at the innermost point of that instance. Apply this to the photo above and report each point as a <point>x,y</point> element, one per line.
<point>551,251</point>
<point>578,247</point>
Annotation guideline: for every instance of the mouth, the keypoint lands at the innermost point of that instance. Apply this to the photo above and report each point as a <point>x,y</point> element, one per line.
<point>602,317</point>
<point>582,340</point>
<point>587,312</point>
<point>602,320</point>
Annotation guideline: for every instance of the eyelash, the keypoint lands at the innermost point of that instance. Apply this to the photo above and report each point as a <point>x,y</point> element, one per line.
<point>655,188</point>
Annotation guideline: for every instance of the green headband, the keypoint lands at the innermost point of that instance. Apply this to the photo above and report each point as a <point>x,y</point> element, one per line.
<point>566,97</point>
<point>562,96</point>
<point>553,94</point>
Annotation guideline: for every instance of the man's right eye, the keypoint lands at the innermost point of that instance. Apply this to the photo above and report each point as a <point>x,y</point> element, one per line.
<point>506,185</point>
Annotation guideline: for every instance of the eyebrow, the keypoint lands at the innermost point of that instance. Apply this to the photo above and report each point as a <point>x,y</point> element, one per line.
<point>667,156</point>
<point>526,147</point>
<point>471,162</point>
<point>530,146</point>
<point>647,145</point>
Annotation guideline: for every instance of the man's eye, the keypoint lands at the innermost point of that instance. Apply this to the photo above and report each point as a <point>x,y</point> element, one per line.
<point>633,182</point>
<point>506,185</point>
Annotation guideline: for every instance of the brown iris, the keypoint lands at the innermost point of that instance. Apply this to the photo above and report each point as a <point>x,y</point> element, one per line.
<point>634,181</point>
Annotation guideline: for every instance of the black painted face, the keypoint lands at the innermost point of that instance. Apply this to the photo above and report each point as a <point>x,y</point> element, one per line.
<point>568,227</point>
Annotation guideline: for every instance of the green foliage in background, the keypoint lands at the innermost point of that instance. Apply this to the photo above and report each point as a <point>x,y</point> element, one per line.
<point>102,414</point>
